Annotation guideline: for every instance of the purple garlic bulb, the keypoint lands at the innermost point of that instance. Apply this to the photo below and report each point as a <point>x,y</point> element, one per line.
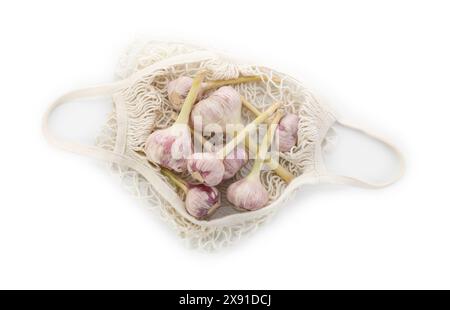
<point>234,161</point>
<point>287,132</point>
<point>247,194</point>
<point>202,200</point>
<point>178,89</point>
<point>170,147</point>
<point>221,108</point>
<point>207,168</point>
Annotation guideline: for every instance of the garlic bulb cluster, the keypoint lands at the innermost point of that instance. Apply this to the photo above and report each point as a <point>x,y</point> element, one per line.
<point>178,89</point>
<point>287,132</point>
<point>221,108</point>
<point>170,147</point>
<point>248,193</point>
<point>201,200</point>
<point>209,168</point>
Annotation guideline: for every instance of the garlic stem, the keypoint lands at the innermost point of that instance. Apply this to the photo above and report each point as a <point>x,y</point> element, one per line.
<point>228,148</point>
<point>267,141</point>
<point>250,106</point>
<point>183,117</point>
<point>281,171</point>
<point>239,80</point>
<point>272,163</point>
<point>176,180</point>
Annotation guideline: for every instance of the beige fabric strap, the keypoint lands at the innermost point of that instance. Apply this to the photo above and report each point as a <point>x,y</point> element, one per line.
<point>118,156</point>
<point>108,90</point>
<point>329,177</point>
<point>96,91</point>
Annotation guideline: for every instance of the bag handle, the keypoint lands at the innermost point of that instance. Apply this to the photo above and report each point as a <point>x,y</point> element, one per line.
<point>107,90</point>
<point>118,155</point>
<point>115,156</point>
<point>74,147</point>
<point>331,177</point>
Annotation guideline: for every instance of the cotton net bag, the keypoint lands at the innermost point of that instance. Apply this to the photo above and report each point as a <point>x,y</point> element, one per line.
<point>141,105</point>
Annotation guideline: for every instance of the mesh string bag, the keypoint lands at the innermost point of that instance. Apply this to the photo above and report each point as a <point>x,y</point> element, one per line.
<point>141,106</point>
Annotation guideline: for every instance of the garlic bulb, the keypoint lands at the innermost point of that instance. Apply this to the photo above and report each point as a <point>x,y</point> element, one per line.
<point>170,147</point>
<point>248,193</point>
<point>209,167</point>
<point>287,132</point>
<point>201,200</point>
<point>234,161</point>
<point>178,89</point>
<point>221,108</point>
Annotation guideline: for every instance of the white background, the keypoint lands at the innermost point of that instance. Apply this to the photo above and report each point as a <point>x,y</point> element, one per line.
<point>66,223</point>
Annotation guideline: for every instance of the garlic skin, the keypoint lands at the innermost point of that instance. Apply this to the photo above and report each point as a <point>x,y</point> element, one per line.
<point>202,200</point>
<point>287,132</point>
<point>221,108</point>
<point>206,168</point>
<point>170,147</point>
<point>234,161</point>
<point>247,194</point>
<point>178,89</point>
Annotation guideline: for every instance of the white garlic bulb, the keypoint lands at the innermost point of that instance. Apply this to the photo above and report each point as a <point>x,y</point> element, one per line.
<point>221,108</point>
<point>287,132</point>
